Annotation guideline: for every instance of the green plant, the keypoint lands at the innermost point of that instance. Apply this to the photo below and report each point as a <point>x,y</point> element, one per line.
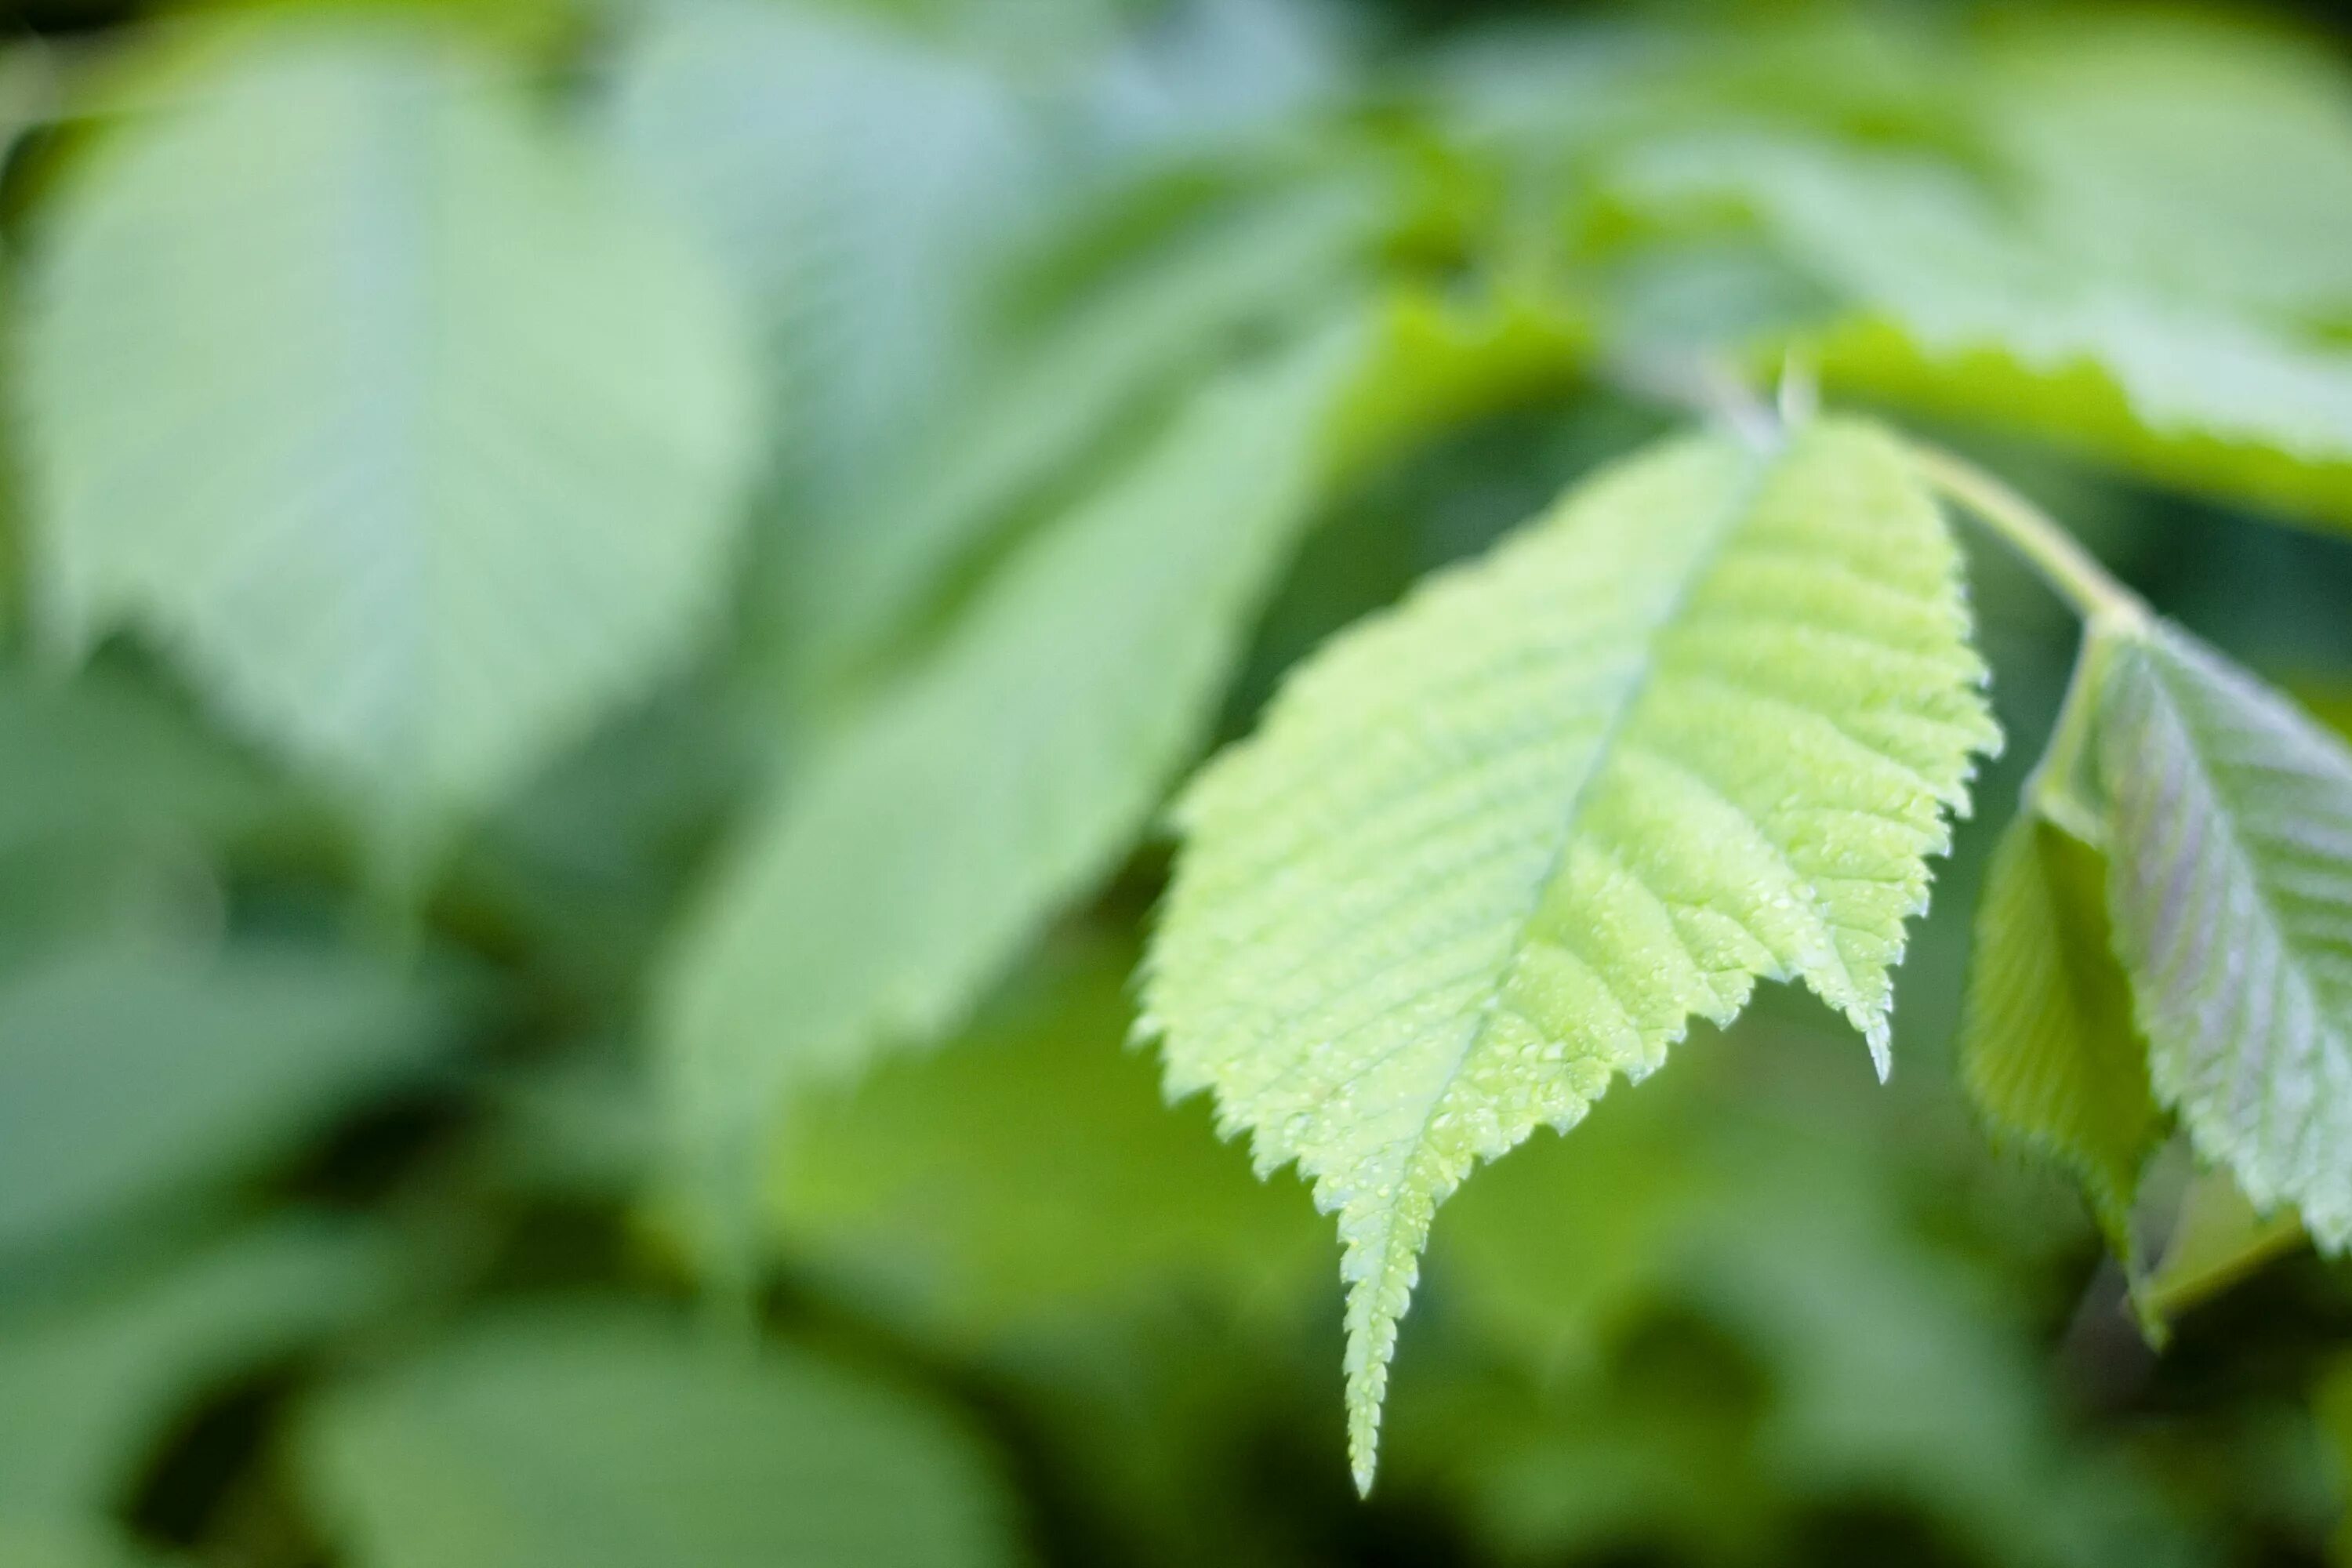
<point>690,587</point>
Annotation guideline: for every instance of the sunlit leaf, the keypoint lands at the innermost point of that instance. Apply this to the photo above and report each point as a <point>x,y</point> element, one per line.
<point>2231,894</point>
<point>94,1384</point>
<point>603,1439</point>
<point>1955,314</point>
<point>1699,726</point>
<point>2048,1049</point>
<point>133,1075</point>
<point>411,438</point>
<point>884,888</point>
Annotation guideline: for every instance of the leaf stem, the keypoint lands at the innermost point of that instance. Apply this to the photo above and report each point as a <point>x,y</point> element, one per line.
<point>2054,554</point>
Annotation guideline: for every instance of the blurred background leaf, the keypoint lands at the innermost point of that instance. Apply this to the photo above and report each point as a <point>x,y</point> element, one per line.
<point>579,1437</point>
<point>421,543</point>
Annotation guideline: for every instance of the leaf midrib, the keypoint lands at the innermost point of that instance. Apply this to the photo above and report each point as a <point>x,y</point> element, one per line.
<point>1758,467</point>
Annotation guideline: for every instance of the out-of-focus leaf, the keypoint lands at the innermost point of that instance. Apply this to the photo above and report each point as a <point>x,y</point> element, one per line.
<point>1134,342</point>
<point>1698,726</point>
<point>135,1076</point>
<point>1893,1381</point>
<point>2231,890</point>
<point>92,1384</point>
<point>2207,156</point>
<point>31,1540</point>
<point>1954,313</point>
<point>101,760</point>
<point>601,1439</point>
<point>852,178</point>
<point>894,880</point>
<point>1862,1361</point>
<point>1034,1172</point>
<point>2217,1239</point>
<point>1214,70</point>
<point>414,440</point>
<point>2048,1049</point>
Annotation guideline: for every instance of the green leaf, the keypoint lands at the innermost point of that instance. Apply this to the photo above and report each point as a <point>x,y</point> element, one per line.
<point>33,1542</point>
<point>2230,826</point>
<point>2048,1049</point>
<point>1032,1174</point>
<point>1107,364</point>
<point>413,440</point>
<point>885,887</point>
<point>104,759</point>
<point>2217,1240</point>
<point>603,1439</point>
<point>135,1076</point>
<point>2208,156</point>
<point>848,177</point>
<point>1952,311</point>
<point>94,1384</point>
<point>1699,726</point>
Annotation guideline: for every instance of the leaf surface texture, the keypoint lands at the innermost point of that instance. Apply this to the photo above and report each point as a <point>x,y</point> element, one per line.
<point>1699,726</point>
<point>2231,828</point>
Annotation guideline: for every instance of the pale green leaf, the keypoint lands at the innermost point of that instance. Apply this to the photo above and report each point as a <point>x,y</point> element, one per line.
<point>606,1440</point>
<point>1051,404</point>
<point>1953,311</point>
<point>1699,727</point>
<point>2230,828</point>
<point>849,176</point>
<point>1032,1172</point>
<point>93,1384</point>
<point>414,440</point>
<point>132,1076</point>
<point>926,843</point>
<point>2048,1049</point>
<point>2211,157</point>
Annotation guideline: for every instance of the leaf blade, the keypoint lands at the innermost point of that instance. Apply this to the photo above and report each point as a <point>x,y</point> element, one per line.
<point>836,932</point>
<point>2231,817</point>
<point>600,1437</point>
<point>2049,1052</point>
<point>1387,1024</point>
<point>432,437</point>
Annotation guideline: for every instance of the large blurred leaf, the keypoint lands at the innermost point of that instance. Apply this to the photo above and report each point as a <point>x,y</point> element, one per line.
<point>1698,726</point>
<point>2048,1049</point>
<point>888,886</point>
<point>1956,314</point>
<point>133,1075</point>
<point>2231,894</point>
<point>1033,1173</point>
<point>92,1384</point>
<point>415,442</point>
<point>2214,158</point>
<point>1025,437</point>
<point>598,1439</point>
<point>851,177</point>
